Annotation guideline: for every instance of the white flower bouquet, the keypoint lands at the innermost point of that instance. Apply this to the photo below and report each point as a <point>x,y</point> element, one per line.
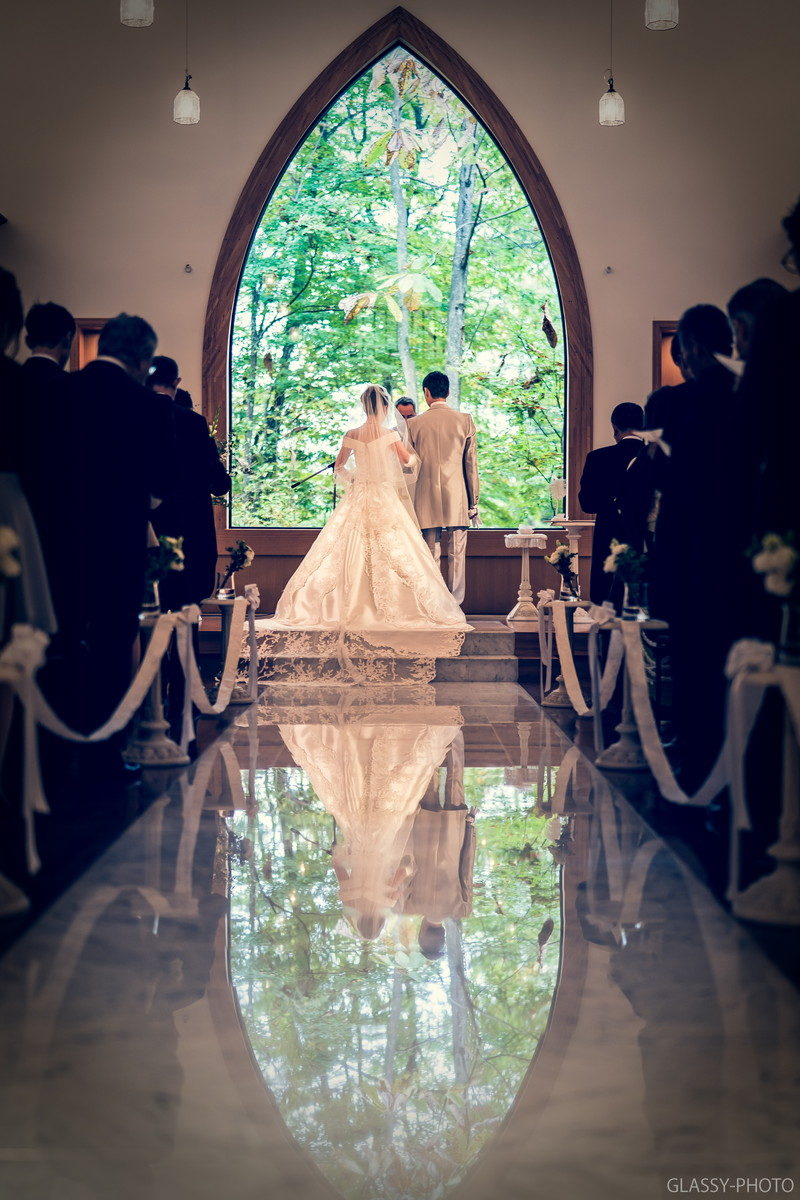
<point>10,566</point>
<point>562,559</point>
<point>630,567</point>
<point>241,556</point>
<point>165,557</point>
<point>777,562</point>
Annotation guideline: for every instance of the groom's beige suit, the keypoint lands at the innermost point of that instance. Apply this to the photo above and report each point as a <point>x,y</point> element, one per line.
<point>447,484</point>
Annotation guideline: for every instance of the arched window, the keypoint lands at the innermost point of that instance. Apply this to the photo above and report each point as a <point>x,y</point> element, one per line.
<point>407,227</point>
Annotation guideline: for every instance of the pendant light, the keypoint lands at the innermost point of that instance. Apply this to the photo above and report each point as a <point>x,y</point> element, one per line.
<point>136,14</point>
<point>186,107</point>
<point>612,106</point>
<point>661,14</point>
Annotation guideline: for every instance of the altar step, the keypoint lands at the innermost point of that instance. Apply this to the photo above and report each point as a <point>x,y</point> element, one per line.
<point>487,656</point>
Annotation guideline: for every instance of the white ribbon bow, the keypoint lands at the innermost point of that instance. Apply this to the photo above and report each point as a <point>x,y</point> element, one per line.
<point>655,437</point>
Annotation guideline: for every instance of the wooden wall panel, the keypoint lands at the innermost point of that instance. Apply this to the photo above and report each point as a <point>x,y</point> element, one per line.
<point>493,572</point>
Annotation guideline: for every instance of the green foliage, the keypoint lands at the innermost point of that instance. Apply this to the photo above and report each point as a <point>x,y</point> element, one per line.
<point>324,301</point>
<point>391,1070</point>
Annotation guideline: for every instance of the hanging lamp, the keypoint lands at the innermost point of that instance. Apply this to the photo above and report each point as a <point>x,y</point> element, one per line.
<point>136,14</point>
<point>612,106</point>
<point>661,14</point>
<point>186,106</point>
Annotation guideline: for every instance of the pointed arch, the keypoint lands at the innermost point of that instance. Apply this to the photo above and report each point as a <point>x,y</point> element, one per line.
<point>400,28</point>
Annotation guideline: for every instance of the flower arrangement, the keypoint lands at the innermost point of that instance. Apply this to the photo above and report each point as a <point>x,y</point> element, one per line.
<point>562,558</point>
<point>10,566</point>
<point>777,562</point>
<point>630,567</point>
<point>165,557</point>
<point>241,556</point>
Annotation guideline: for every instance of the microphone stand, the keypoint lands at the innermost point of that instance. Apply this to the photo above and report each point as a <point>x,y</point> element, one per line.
<point>328,467</point>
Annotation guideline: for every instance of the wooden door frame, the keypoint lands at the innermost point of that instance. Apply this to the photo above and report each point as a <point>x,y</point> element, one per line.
<point>400,28</point>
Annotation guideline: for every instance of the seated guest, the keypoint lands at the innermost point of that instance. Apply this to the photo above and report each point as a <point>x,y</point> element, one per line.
<point>704,430</point>
<point>187,510</point>
<point>746,306</point>
<point>183,399</point>
<point>617,485</point>
<point>119,455</point>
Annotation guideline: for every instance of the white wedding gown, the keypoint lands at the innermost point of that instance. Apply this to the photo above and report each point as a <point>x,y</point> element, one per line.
<point>368,588</point>
<point>370,767</point>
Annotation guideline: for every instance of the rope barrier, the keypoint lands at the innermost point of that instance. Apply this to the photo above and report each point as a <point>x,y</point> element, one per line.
<point>24,653</point>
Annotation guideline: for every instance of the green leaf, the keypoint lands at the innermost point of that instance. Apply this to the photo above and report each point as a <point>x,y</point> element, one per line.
<point>377,149</point>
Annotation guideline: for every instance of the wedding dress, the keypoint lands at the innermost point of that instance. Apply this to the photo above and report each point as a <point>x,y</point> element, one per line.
<point>368,589</point>
<point>370,768</point>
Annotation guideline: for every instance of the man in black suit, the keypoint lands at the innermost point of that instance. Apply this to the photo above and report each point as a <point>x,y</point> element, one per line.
<point>187,510</point>
<point>119,461</point>
<point>49,331</point>
<point>617,485</point>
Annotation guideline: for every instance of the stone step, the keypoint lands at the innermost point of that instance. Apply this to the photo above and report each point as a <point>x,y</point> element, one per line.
<point>484,668</point>
<point>478,643</point>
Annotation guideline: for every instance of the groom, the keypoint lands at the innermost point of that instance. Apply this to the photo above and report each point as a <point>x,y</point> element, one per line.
<point>446,496</point>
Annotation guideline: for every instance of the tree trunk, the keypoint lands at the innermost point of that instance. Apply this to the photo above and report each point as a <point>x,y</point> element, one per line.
<point>459,1002</point>
<point>404,324</point>
<point>466,218</point>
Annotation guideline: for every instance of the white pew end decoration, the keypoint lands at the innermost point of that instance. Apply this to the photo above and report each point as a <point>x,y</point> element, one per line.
<point>150,745</point>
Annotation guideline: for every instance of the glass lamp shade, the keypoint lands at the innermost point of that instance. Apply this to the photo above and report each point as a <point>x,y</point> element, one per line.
<point>661,14</point>
<point>186,109</point>
<point>612,107</point>
<point>136,13</point>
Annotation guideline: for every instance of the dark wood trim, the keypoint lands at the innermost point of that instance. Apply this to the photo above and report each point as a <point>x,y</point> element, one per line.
<point>661,331</point>
<point>78,355</point>
<point>399,27</point>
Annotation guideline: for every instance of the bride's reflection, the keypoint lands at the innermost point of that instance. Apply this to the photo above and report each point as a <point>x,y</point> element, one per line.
<point>371,778</point>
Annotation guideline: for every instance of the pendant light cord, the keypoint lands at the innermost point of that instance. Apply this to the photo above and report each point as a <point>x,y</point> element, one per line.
<point>188,77</point>
<point>610,38</point>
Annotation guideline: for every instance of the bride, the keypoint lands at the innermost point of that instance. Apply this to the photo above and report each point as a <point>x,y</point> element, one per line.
<point>369,579</point>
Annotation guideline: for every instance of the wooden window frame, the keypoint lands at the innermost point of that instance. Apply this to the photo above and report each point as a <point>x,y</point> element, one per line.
<point>78,357</point>
<point>400,28</point>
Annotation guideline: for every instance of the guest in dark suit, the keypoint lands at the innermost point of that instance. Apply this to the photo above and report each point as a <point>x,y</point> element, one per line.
<point>187,510</point>
<point>704,430</point>
<point>658,404</point>
<point>617,485</point>
<point>49,331</point>
<point>745,307</point>
<point>121,457</point>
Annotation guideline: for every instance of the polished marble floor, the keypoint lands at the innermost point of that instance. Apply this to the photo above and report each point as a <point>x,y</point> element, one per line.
<point>396,943</point>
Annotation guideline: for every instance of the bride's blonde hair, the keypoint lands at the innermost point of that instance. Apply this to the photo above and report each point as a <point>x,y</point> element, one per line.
<point>372,396</point>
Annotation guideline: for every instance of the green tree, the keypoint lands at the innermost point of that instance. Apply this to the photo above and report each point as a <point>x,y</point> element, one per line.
<point>398,240</point>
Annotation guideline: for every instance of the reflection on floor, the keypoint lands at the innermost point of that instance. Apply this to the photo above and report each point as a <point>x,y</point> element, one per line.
<point>391,944</point>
